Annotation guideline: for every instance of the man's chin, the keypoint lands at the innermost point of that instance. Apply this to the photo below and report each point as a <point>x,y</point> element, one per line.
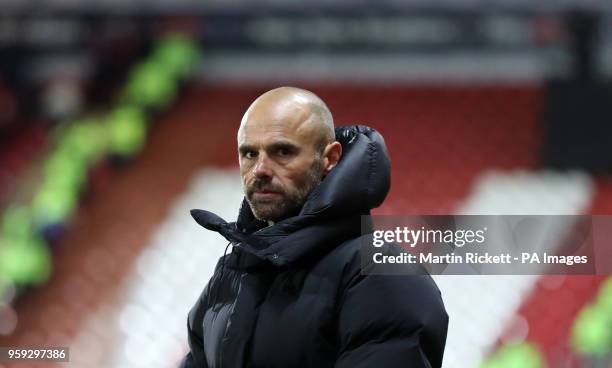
<point>273,208</point>
<point>265,210</point>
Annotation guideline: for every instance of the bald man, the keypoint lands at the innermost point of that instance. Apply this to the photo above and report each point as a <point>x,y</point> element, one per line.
<point>291,292</point>
<point>286,144</point>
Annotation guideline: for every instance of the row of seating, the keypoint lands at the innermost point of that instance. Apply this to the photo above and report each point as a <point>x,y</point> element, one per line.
<point>47,172</point>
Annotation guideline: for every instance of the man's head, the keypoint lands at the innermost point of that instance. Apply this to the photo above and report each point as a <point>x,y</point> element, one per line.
<point>286,145</point>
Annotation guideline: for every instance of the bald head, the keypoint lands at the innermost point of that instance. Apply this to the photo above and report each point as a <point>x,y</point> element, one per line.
<point>286,146</point>
<point>299,109</point>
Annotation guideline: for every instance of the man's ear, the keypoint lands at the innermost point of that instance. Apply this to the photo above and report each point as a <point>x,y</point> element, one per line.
<point>331,156</point>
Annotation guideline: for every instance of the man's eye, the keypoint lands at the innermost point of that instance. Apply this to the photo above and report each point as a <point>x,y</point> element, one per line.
<point>284,151</point>
<point>250,154</point>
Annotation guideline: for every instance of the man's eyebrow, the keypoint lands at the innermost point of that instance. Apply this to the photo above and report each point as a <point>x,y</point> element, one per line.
<point>245,148</point>
<point>284,145</point>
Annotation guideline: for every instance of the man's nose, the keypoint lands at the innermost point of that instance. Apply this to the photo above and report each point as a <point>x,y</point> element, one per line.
<point>262,169</point>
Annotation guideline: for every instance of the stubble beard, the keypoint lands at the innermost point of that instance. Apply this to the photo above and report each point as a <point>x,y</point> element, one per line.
<point>290,201</point>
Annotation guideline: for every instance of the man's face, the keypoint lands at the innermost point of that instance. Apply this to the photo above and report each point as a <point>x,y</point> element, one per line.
<point>279,162</point>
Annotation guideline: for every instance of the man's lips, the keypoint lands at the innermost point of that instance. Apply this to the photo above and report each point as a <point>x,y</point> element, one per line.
<point>265,194</point>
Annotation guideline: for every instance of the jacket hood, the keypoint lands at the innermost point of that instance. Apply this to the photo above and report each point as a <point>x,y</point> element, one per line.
<point>332,211</point>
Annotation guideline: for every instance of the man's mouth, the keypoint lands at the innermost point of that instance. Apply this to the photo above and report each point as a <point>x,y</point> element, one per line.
<point>265,191</point>
<point>265,194</point>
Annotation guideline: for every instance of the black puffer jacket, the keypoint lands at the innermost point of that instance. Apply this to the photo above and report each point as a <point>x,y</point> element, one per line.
<point>292,295</point>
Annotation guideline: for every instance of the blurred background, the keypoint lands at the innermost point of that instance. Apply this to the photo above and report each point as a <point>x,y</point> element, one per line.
<point>117,117</point>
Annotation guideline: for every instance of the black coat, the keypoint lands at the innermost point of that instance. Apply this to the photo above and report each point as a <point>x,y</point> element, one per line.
<point>292,294</point>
